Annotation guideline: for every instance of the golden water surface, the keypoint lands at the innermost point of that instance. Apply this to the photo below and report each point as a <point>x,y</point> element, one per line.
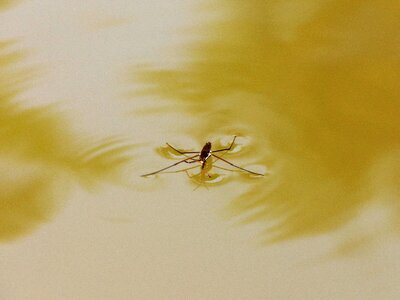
<point>91,91</point>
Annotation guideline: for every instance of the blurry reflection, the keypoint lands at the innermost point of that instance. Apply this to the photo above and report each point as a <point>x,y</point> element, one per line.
<point>40,156</point>
<point>315,84</point>
<point>7,3</point>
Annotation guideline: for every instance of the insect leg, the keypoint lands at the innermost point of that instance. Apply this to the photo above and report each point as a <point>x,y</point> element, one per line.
<point>186,160</point>
<point>182,152</point>
<point>183,170</point>
<point>217,167</point>
<point>226,149</point>
<point>233,165</point>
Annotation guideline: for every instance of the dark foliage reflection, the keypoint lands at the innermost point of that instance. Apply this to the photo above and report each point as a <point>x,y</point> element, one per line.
<point>315,84</point>
<point>40,155</point>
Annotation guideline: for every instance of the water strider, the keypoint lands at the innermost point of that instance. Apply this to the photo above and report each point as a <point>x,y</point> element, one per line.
<point>203,158</point>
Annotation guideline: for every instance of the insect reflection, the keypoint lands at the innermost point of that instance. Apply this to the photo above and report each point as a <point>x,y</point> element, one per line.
<point>205,158</point>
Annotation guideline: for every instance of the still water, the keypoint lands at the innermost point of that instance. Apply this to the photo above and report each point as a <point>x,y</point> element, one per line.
<point>91,92</point>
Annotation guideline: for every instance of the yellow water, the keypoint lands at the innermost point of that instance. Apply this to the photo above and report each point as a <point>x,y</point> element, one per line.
<point>314,84</point>
<point>89,94</point>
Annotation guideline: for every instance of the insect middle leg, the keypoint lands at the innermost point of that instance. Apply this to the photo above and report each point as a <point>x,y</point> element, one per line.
<point>233,165</point>
<point>188,160</point>
<point>182,152</point>
<point>226,149</point>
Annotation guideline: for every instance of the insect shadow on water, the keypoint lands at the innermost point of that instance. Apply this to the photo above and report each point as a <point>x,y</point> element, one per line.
<point>205,158</point>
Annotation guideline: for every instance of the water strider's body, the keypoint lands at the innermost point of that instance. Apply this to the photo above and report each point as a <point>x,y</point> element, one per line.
<point>202,157</point>
<point>205,154</point>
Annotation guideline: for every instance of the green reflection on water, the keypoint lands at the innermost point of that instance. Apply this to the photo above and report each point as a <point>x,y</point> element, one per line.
<point>315,84</point>
<point>6,3</point>
<point>40,155</point>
